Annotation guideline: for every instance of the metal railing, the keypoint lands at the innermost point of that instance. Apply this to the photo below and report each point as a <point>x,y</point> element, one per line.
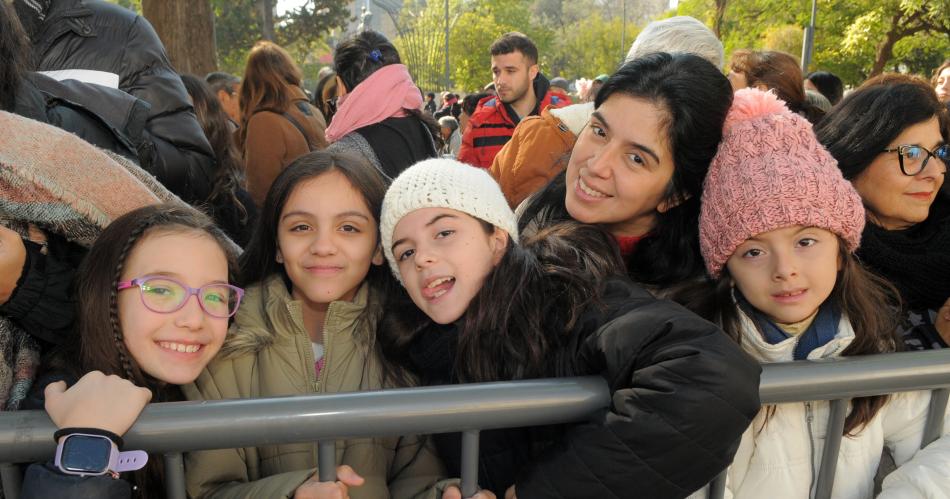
<point>174,428</point>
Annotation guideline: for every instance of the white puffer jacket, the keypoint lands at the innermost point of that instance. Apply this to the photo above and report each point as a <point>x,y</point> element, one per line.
<point>780,458</point>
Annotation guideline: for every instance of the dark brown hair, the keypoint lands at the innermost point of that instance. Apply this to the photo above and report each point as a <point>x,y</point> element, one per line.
<point>520,323</point>
<point>14,54</point>
<point>99,344</point>
<point>516,42</point>
<point>780,73</point>
<point>229,174</point>
<point>869,302</point>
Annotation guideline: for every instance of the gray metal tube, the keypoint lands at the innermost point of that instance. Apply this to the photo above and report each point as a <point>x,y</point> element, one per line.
<point>935,416</point>
<point>829,458</point>
<point>852,377</point>
<point>188,426</point>
<point>717,487</point>
<point>326,460</point>
<point>469,463</point>
<point>174,476</point>
<point>11,477</point>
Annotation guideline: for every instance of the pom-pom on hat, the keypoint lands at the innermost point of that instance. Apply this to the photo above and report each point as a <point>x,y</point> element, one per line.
<point>770,172</point>
<point>444,183</point>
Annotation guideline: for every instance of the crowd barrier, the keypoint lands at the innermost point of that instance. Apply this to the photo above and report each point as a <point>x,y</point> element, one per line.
<point>173,428</point>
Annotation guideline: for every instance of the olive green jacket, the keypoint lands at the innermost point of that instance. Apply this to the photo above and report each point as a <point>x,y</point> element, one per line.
<point>267,354</point>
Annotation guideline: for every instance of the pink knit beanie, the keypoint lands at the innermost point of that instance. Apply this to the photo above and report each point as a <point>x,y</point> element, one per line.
<point>770,172</point>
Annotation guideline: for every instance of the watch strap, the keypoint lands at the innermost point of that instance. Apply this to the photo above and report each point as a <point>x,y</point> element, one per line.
<point>130,460</point>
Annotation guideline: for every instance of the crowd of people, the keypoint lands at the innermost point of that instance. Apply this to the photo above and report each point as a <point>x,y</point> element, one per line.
<point>671,227</point>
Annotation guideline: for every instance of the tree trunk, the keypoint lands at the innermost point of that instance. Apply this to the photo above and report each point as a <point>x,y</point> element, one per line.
<point>186,27</point>
<point>267,18</point>
<point>720,14</point>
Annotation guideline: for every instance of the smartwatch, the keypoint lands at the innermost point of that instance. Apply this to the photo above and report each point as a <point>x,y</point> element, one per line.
<point>85,454</point>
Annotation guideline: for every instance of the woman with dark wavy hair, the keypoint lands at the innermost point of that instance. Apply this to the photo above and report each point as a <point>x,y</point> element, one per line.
<point>229,204</point>
<point>378,109</point>
<point>637,169</point>
<point>890,139</point>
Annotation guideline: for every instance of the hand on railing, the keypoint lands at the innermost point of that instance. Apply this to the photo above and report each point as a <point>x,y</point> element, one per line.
<point>315,489</point>
<point>109,403</point>
<point>453,492</point>
<point>943,322</point>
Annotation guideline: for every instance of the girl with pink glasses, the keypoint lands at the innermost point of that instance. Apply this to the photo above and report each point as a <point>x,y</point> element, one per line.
<point>140,334</point>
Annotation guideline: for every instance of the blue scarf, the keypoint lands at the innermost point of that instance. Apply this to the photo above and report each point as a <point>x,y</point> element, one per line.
<point>822,330</point>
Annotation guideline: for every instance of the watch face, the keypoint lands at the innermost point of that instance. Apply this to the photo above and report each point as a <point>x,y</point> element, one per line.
<point>86,454</point>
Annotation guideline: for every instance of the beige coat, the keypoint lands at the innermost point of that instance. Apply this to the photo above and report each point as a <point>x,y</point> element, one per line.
<point>268,353</point>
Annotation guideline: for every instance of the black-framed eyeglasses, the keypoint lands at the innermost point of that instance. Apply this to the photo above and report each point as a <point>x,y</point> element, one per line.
<point>913,158</point>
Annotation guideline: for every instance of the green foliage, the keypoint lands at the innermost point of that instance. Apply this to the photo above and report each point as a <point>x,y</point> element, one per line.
<point>478,25</point>
<point>239,25</point>
<point>592,46</point>
<point>134,5</point>
<point>849,33</point>
<point>421,40</point>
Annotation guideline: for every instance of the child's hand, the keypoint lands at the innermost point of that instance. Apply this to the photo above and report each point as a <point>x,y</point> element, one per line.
<point>110,403</point>
<point>943,322</point>
<point>453,492</point>
<point>315,489</point>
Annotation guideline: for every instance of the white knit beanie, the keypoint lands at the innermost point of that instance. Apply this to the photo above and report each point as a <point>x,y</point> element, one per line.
<point>444,183</point>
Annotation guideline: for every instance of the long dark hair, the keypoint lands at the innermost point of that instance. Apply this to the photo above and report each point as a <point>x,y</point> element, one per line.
<point>696,97</point>
<point>259,261</point>
<point>99,344</point>
<point>869,302</point>
<point>14,56</point>
<point>356,58</point>
<point>520,323</point>
<point>865,122</point>
<point>229,176</point>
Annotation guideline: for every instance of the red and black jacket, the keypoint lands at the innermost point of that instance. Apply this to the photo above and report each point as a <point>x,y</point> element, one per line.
<point>493,123</point>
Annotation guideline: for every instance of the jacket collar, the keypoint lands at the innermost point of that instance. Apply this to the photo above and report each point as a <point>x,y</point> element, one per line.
<point>763,351</point>
<point>269,313</point>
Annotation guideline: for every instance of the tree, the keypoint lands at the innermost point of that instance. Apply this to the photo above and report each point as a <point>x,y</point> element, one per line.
<point>480,23</point>
<point>854,38</point>
<point>186,28</point>
<point>241,23</point>
<point>421,40</point>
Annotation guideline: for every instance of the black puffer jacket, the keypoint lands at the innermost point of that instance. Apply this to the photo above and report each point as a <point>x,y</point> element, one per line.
<point>95,35</point>
<point>682,395</point>
<point>117,125</point>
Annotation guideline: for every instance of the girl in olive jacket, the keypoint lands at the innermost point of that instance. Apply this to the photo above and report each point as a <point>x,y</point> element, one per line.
<point>315,292</point>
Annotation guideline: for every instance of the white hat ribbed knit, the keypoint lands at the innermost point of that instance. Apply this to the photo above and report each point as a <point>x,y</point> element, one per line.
<point>444,183</point>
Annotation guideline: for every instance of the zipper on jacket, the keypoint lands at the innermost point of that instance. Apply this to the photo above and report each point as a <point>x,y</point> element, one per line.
<point>809,418</point>
<point>326,351</point>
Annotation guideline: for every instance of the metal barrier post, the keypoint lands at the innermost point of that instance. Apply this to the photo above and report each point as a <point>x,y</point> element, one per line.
<point>938,409</point>
<point>829,458</point>
<point>174,476</point>
<point>469,463</point>
<point>717,487</point>
<point>11,477</point>
<point>326,460</point>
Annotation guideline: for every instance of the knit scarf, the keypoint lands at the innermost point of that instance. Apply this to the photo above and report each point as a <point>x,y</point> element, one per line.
<point>53,180</point>
<point>387,93</point>
<point>916,260</point>
<point>822,330</point>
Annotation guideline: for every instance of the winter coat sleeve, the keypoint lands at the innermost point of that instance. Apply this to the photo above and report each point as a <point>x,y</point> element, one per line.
<point>467,149</point>
<point>921,473</point>
<point>43,481</point>
<point>682,395</point>
<point>181,158</point>
<point>538,150</point>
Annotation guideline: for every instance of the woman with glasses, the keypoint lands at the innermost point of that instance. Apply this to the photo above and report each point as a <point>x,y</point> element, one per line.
<point>154,306</point>
<point>890,139</point>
